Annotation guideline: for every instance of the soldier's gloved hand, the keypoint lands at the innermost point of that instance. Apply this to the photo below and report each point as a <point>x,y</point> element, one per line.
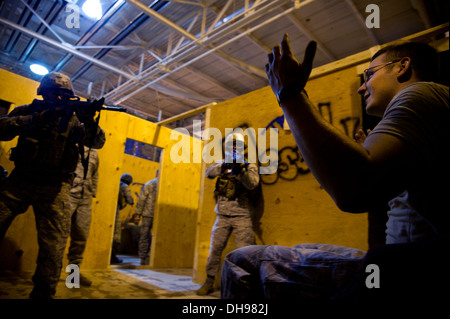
<point>51,114</point>
<point>86,115</point>
<point>97,104</point>
<point>226,166</point>
<point>239,168</point>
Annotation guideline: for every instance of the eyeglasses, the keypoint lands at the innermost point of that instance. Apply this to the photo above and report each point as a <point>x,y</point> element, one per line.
<point>368,73</point>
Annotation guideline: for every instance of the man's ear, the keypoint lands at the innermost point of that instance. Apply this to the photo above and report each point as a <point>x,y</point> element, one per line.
<point>405,71</point>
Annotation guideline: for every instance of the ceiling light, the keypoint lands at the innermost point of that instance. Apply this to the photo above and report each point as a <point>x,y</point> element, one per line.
<point>93,9</point>
<point>38,69</point>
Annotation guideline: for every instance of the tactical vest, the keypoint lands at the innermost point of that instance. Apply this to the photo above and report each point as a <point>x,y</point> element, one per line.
<point>226,186</point>
<point>44,150</point>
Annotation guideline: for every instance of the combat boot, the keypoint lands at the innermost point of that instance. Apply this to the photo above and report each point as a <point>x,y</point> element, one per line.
<point>115,260</point>
<point>85,281</point>
<point>207,288</point>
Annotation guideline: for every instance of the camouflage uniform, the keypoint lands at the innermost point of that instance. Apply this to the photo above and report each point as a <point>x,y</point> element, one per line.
<point>124,198</point>
<point>146,207</point>
<point>45,160</point>
<point>232,214</point>
<point>81,194</point>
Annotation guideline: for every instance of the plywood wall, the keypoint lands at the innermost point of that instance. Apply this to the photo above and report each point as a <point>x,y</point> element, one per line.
<point>177,202</point>
<point>19,251</point>
<point>295,207</point>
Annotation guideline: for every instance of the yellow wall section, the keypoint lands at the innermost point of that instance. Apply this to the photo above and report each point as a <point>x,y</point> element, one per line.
<point>17,90</point>
<point>296,209</point>
<point>177,203</point>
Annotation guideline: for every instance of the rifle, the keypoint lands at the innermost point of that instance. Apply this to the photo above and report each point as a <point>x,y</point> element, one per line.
<point>71,104</point>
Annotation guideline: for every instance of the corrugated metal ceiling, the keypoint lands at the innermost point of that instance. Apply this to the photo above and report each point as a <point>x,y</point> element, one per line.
<point>163,58</point>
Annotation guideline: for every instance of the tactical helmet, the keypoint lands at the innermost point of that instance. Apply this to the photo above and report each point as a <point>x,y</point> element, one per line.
<point>238,137</point>
<point>55,81</point>
<point>126,178</point>
<point>232,154</point>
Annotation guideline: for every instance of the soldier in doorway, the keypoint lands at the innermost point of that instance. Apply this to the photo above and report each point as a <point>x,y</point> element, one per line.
<point>84,188</point>
<point>145,207</point>
<point>124,198</point>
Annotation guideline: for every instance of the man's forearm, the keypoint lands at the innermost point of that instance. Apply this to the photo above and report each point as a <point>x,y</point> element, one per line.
<point>337,162</point>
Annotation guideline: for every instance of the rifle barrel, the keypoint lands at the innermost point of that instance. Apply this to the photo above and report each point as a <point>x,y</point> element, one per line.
<point>114,108</point>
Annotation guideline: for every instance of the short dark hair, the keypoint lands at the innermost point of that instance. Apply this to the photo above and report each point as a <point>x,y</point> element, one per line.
<point>424,58</point>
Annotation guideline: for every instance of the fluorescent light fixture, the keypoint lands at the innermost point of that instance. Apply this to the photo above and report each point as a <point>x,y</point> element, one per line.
<point>93,9</point>
<point>38,69</point>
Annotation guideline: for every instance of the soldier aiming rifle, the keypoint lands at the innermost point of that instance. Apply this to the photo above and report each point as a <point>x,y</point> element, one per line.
<point>51,134</point>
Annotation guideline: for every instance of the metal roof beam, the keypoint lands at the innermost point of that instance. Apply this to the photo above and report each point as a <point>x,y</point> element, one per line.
<point>362,21</point>
<point>152,13</point>
<point>92,31</point>
<point>126,31</point>
<point>215,35</point>
<point>182,94</point>
<point>44,22</point>
<point>243,65</point>
<point>51,16</point>
<point>66,47</point>
<point>299,25</point>
<point>197,72</point>
<point>420,6</point>
<point>198,57</point>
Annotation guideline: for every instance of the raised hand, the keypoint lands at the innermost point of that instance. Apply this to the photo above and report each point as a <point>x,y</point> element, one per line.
<point>284,69</point>
<point>360,136</point>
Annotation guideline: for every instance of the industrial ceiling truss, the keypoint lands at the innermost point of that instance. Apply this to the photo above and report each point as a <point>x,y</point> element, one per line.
<point>160,59</point>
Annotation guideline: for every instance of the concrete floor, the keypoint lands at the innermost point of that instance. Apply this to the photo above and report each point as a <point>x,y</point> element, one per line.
<point>128,280</point>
